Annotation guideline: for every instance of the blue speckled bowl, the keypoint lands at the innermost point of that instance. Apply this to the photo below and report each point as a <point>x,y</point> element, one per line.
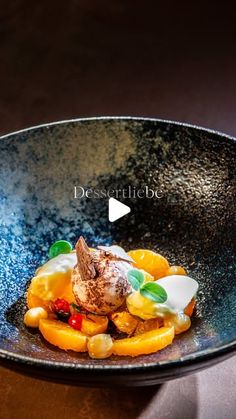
<point>192,223</point>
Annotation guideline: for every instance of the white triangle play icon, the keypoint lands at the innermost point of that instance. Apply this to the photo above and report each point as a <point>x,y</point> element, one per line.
<point>116,209</point>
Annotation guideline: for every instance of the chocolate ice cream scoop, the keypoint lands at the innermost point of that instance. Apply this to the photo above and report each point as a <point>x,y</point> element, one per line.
<point>99,279</point>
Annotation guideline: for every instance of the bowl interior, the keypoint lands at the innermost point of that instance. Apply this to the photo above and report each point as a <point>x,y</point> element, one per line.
<point>191,221</point>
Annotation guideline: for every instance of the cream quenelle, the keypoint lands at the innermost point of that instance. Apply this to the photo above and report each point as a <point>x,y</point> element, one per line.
<point>180,290</point>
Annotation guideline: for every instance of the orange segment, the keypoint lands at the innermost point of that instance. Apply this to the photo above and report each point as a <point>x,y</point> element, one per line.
<point>175,270</point>
<point>153,263</point>
<point>190,307</point>
<point>94,325</point>
<point>145,343</point>
<point>62,335</point>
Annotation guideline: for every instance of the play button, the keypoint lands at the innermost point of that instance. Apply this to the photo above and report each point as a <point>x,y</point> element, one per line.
<point>116,209</point>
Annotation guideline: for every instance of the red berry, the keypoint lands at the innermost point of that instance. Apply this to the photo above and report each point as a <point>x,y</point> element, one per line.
<point>61,306</point>
<point>75,321</point>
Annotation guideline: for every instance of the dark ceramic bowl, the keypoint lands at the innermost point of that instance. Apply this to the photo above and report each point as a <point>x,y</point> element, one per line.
<point>192,223</point>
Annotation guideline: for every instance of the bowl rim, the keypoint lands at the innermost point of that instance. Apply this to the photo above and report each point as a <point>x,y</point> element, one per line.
<point>193,358</point>
<point>120,118</point>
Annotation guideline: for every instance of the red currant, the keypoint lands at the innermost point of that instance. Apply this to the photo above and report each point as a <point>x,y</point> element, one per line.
<point>75,321</point>
<point>61,306</point>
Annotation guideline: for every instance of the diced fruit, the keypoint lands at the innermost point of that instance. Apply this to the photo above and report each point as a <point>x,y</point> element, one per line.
<point>53,279</point>
<point>33,316</point>
<point>100,346</point>
<point>181,322</point>
<point>76,321</point>
<point>94,325</point>
<point>175,270</point>
<point>62,335</point>
<point>190,307</point>
<point>124,322</point>
<point>145,343</point>
<point>153,263</point>
<point>147,325</point>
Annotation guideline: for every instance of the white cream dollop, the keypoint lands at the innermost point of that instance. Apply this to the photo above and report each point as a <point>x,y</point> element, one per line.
<point>180,290</point>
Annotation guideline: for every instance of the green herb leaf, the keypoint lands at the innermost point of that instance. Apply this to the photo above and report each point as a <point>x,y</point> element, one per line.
<point>154,292</point>
<point>59,247</point>
<point>75,307</point>
<point>136,278</point>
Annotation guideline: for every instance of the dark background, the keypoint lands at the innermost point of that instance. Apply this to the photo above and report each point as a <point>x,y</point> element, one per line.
<point>66,59</point>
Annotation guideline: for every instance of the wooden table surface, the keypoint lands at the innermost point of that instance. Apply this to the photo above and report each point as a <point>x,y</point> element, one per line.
<point>61,60</point>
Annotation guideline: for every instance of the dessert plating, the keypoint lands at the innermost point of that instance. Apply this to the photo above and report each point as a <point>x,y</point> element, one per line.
<point>106,302</point>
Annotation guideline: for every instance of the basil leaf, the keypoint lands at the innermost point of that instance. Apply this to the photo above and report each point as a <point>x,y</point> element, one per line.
<point>154,292</point>
<point>136,278</point>
<point>59,247</point>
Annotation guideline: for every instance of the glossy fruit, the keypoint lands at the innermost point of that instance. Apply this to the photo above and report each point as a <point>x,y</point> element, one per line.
<point>62,335</point>
<point>76,320</point>
<point>190,307</point>
<point>181,323</point>
<point>100,346</point>
<point>33,316</point>
<point>61,306</point>
<point>175,270</point>
<point>145,343</point>
<point>124,322</point>
<point>94,325</point>
<point>153,263</point>
<point>59,247</point>
<point>147,325</point>
<point>53,279</point>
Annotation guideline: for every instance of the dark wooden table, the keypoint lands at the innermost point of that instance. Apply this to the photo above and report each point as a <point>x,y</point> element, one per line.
<point>173,60</point>
<point>98,57</point>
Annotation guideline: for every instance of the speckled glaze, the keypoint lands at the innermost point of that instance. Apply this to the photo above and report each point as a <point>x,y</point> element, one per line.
<point>192,223</point>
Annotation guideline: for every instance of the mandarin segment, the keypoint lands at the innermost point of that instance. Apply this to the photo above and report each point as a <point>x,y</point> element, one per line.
<point>62,335</point>
<point>190,307</point>
<point>145,343</point>
<point>175,270</point>
<point>151,262</point>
